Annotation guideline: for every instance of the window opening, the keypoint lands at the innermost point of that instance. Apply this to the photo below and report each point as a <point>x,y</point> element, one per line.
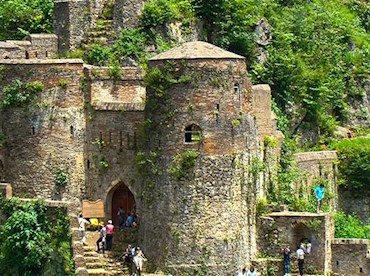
<point>193,134</point>
<point>27,55</point>
<point>101,136</point>
<point>46,53</point>
<point>88,164</point>
<point>110,137</point>
<point>361,271</point>
<point>237,90</point>
<point>71,130</point>
<point>33,130</point>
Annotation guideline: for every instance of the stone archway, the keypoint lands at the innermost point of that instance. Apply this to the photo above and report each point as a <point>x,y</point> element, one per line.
<point>119,195</point>
<point>301,233</point>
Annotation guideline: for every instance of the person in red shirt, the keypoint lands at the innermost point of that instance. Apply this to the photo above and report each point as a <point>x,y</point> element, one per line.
<point>109,235</point>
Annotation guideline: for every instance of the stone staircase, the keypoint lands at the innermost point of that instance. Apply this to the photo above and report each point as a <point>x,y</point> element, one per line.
<point>103,33</point>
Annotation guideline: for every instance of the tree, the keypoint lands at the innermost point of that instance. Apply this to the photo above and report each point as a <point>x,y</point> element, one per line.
<point>19,18</point>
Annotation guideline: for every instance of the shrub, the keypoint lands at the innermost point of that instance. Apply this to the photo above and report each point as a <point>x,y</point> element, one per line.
<point>182,163</point>
<point>350,226</point>
<point>18,93</point>
<point>354,163</point>
<point>34,240</point>
<point>99,55</point>
<point>61,177</point>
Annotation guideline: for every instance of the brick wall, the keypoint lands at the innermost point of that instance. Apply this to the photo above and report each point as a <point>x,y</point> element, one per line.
<point>47,134</point>
<point>350,257</point>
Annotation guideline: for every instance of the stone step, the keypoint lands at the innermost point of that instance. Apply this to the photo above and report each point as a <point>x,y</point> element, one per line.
<point>95,265</point>
<point>98,271</point>
<point>92,259</point>
<point>91,254</point>
<point>89,248</point>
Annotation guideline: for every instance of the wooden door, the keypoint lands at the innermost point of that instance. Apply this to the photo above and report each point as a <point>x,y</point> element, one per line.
<point>122,196</point>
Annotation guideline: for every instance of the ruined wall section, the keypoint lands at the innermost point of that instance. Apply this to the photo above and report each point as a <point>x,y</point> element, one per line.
<point>350,256</point>
<point>125,14</point>
<point>72,20</point>
<point>278,230</point>
<point>204,220</point>
<point>114,118</point>
<point>318,165</point>
<point>41,46</point>
<point>355,202</point>
<point>47,134</point>
<point>270,137</point>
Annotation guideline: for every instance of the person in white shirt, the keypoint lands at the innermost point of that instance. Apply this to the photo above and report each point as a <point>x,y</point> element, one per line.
<point>251,272</point>
<point>300,258</point>
<point>81,228</point>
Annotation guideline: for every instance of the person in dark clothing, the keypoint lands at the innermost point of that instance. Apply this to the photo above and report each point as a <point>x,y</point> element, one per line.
<point>286,256</point>
<point>121,216</point>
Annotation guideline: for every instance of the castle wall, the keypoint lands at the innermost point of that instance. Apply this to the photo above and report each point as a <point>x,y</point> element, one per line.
<point>318,165</point>
<point>350,257</point>
<point>278,230</point>
<point>115,116</point>
<point>72,20</point>
<point>202,221</point>
<point>47,134</point>
<point>125,14</point>
<point>354,202</point>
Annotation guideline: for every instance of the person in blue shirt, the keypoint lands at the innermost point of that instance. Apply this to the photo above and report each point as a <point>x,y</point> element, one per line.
<point>129,220</point>
<point>319,193</point>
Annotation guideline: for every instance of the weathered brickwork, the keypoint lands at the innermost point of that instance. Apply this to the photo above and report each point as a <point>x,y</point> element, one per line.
<point>106,129</point>
<point>351,257</point>
<point>278,230</point>
<point>354,202</point>
<point>203,221</point>
<point>41,46</point>
<point>47,134</point>
<point>126,12</point>
<point>318,166</point>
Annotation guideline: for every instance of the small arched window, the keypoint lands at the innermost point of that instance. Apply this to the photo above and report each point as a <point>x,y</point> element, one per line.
<point>193,134</point>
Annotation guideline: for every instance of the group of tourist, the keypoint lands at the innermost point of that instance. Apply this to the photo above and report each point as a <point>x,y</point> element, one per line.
<point>134,256</point>
<point>105,237</point>
<point>132,219</point>
<point>304,248</point>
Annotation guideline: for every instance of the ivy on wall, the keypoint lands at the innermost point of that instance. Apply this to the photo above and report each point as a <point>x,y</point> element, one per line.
<point>34,240</point>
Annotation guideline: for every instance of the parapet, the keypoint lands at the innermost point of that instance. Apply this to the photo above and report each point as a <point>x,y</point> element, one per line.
<point>37,46</point>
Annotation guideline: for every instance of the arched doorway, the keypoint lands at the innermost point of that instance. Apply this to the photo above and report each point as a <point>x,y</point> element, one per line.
<point>301,233</point>
<point>122,196</point>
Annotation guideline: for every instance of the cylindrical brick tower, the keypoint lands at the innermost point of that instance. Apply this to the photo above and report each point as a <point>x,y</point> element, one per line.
<point>195,160</point>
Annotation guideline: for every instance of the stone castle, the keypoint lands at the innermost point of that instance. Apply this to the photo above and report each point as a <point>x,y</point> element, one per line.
<point>183,149</point>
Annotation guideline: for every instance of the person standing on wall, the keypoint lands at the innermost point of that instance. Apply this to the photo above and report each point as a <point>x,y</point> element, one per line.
<point>286,256</point>
<point>319,193</point>
<point>109,235</point>
<point>300,258</point>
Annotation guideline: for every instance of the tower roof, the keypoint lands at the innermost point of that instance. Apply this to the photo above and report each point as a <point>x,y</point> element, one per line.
<point>196,50</point>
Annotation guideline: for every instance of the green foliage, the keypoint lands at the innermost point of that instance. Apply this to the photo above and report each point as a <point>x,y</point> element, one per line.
<point>131,43</point>
<point>354,163</point>
<point>18,93</point>
<point>103,163</point>
<point>156,13</point>
<point>61,177</point>
<point>350,226</point>
<point>99,55</point>
<point>182,163</point>
<point>262,206</point>
<point>33,241</point>
<point>19,18</point>
<point>63,83</point>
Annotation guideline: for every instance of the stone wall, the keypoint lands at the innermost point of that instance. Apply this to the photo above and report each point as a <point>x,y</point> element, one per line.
<point>350,257</point>
<point>125,14</point>
<point>318,165</point>
<point>355,202</point>
<point>278,230</point>
<point>40,46</point>
<point>202,222</point>
<point>115,116</point>
<point>47,134</point>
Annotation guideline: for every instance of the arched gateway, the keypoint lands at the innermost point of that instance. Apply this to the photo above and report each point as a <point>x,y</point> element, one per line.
<point>119,195</point>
